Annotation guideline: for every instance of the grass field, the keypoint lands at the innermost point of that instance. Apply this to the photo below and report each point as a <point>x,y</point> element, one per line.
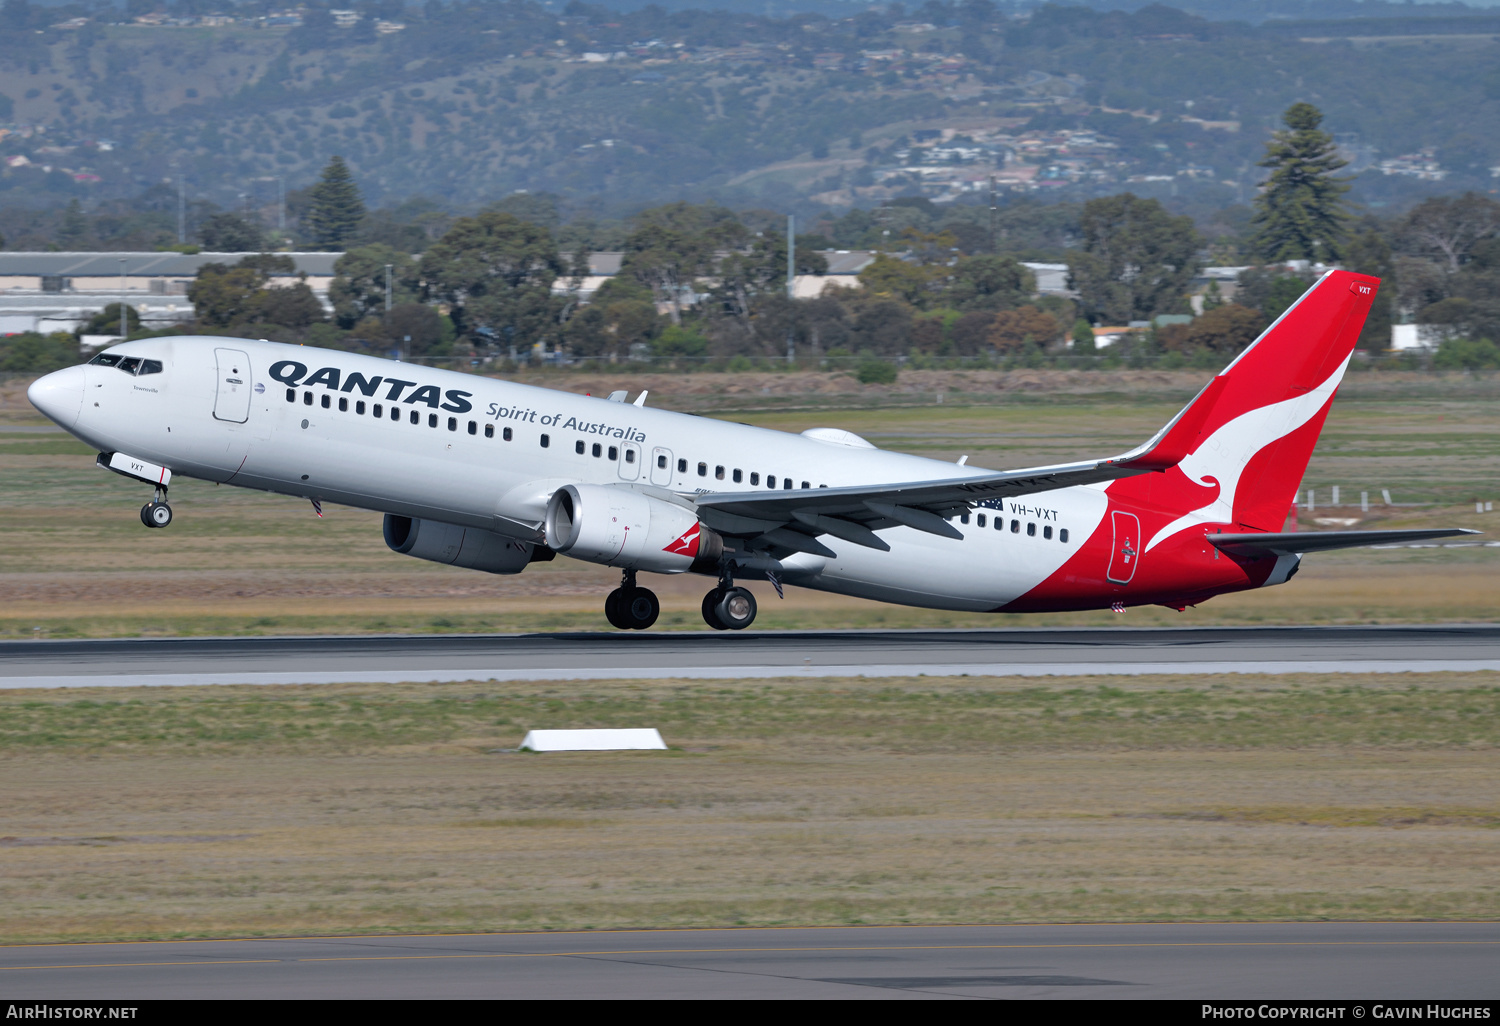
<point>178,812</point>
<point>78,563</point>
<point>181,812</point>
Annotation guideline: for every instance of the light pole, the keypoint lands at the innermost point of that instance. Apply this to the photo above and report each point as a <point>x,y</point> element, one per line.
<point>123,332</point>
<point>181,211</point>
<point>791,289</point>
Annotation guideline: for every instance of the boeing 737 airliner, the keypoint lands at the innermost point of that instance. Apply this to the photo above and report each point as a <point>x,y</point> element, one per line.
<point>491,475</point>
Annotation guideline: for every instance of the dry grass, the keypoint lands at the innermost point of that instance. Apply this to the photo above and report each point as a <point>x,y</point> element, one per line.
<point>201,812</point>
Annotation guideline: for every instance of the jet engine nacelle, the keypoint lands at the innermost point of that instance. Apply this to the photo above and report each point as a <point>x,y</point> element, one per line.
<point>458,546</point>
<point>621,527</point>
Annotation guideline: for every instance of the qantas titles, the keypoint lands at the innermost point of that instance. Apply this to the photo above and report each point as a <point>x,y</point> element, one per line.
<point>294,375</point>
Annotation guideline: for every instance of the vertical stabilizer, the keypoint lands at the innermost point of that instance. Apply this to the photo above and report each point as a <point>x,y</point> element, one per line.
<point>1250,448</point>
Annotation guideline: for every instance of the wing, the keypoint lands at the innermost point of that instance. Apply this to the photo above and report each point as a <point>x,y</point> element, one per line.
<point>792,520</point>
<point>1299,543</point>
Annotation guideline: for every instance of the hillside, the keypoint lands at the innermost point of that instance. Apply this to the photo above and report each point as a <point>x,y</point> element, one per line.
<point>470,102</point>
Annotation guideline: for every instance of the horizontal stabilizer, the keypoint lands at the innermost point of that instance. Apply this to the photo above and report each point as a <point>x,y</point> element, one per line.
<point>1296,543</point>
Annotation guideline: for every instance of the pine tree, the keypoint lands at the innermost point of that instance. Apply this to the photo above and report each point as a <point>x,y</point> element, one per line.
<point>1299,214</point>
<point>336,209</point>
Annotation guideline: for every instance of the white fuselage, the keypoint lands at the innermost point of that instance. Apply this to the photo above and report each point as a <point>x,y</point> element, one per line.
<point>322,438</point>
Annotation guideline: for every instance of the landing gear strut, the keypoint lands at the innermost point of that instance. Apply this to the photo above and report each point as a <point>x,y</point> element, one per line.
<point>630,608</point>
<point>728,608</point>
<point>157,513</point>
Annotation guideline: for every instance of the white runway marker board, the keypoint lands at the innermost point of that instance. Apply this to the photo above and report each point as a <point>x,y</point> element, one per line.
<point>606,740</point>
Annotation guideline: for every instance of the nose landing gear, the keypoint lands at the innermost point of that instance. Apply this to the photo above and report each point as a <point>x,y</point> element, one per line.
<point>630,608</point>
<point>157,513</point>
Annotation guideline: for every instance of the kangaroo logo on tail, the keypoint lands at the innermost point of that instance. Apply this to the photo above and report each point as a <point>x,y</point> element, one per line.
<point>1261,420</point>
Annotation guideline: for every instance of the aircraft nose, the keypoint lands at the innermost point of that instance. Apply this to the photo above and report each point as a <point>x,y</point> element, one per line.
<point>59,395</point>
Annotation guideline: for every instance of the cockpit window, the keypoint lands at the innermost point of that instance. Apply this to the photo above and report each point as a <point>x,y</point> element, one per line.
<point>129,364</point>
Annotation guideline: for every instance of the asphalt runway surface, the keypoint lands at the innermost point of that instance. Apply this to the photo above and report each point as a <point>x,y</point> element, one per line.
<point>703,655</point>
<point>1257,961</point>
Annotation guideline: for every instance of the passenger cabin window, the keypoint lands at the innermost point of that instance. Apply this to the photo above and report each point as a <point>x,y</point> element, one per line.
<point>291,395</point>
<point>629,455</point>
<point>979,520</point>
<point>614,453</point>
<point>432,420</point>
<point>1062,535</point>
<point>770,480</point>
<point>578,447</point>
<point>343,405</point>
<point>963,518</point>
<point>1031,530</point>
<point>661,462</point>
<point>806,484</point>
<point>489,431</point>
<point>719,473</point>
<point>703,470</point>
<point>508,435</point>
<point>416,418</point>
<point>598,450</point>
<point>377,410</point>
<point>395,413</point>
<point>1015,527</point>
<point>359,407</point>
<point>306,398</point>
<point>739,475</point>
<point>453,424</point>
<point>1046,532</point>
<point>786,484</point>
<point>546,441</point>
<point>682,466</point>
<point>327,401</point>
<point>755,477</point>
<point>999,523</point>
<point>474,428</point>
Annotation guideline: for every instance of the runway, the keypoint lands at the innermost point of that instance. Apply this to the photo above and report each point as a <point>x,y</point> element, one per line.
<point>1257,961</point>
<point>704,655</point>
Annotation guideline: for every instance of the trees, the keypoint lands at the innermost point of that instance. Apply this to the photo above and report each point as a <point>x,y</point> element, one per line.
<point>225,296</point>
<point>1135,259</point>
<point>107,321</point>
<point>1299,214</point>
<point>990,283</point>
<point>672,246</point>
<point>496,273</point>
<point>1225,330</point>
<point>358,288</point>
<point>230,233</point>
<point>1014,329</point>
<point>335,207</point>
<point>1447,227</point>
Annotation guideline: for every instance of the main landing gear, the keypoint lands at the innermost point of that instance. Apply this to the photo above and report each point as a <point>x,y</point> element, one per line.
<point>728,608</point>
<point>630,608</point>
<point>157,513</point>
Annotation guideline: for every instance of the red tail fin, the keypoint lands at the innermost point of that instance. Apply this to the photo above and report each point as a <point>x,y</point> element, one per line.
<point>1247,438</point>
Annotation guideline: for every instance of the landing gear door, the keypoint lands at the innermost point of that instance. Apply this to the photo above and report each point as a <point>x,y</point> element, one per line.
<point>1125,553</point>
<point>630,461</point>
<point>232,401</point>
<point>661,467</point>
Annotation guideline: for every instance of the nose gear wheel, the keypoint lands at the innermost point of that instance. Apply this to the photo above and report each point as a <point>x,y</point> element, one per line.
<point>156,514</point>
